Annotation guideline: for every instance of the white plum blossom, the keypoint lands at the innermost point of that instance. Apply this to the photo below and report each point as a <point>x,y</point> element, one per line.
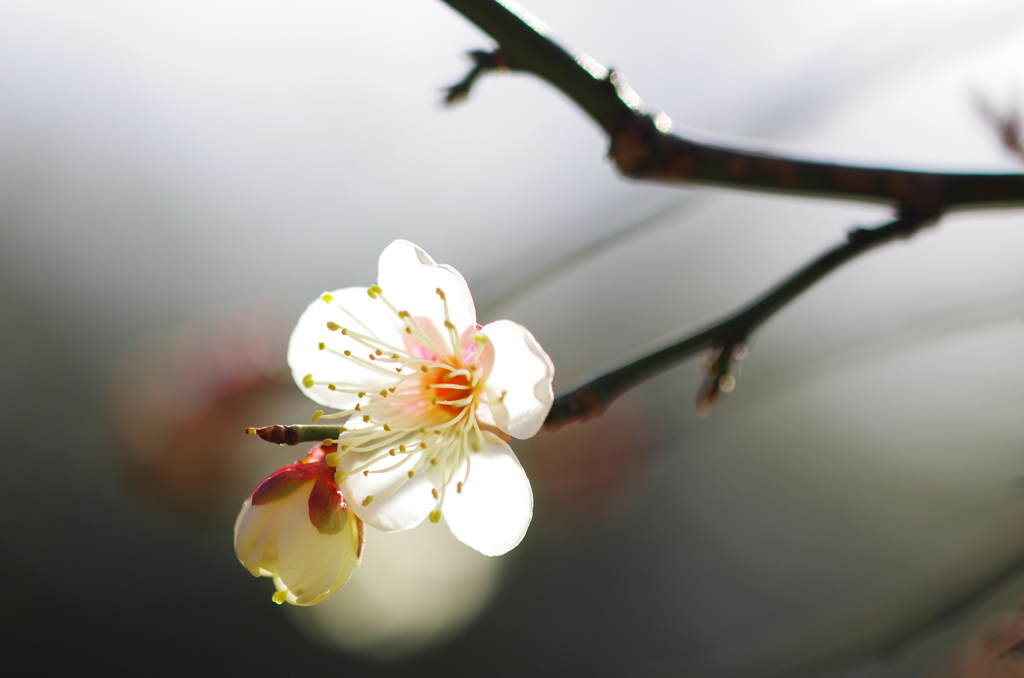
<point>428,398</point>
<point>297,528</point>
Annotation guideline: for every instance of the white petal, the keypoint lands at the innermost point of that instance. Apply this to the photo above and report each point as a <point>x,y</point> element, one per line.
<point>399,502</point>
<point>278,540</point>
<point>494,509</point>
<point>351,308</point>
<point>519,385</point>
<point>410,278</point>
<point>254,528</point>
<point>311,565</point>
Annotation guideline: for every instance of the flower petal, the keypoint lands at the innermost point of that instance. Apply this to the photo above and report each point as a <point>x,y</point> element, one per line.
<point>312,565</point>
<point>254,528</point>
<point>519,386</point>
<point>278,540</point>
<point>399,502</point>
<point>494,508</point>
<point>353,309</point>
<point>410,279</point>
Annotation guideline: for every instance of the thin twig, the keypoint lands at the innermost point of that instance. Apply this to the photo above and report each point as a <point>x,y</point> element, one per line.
<point>1008,124</point>
<point>730,333</point>
<point>642,147</point>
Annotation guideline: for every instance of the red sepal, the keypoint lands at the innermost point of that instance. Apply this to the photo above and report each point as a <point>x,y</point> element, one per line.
<point>283,482</point>
<point>328,510</point>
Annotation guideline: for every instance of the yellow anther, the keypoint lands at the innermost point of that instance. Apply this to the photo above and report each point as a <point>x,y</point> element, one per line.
<point>387,427</point>
<point>344,331</point>
<point>408,330</point>
<point>379,352</point>
<point>424,369</point>
<point>449,324</point>
<point>383,393</point>
<point>339,476</point>
<point>401,448</point>
<point>332,387</point>
<point>333,459</point>
<point>404,314</point>
<point>333,326</point>
<point>347,352</point>
<point>327,442</point>
<point>423,444</point>
<point>433,462</point>
<point>342,429</point>
<point>374,291</point>
<point>391,451</point>
<point>434,492</point>
<point>251,431</point>
<point>366,474</point>
<point>458,487</point>
<point>307,381</point>
<point>328,297</point>
<point>435,516</point>
<point>480,339</point>
<point>440,292</point>
<point>369,500</point>
<point>372,357</point>
<point>281,596</point>
<point>395,356</point>
<point>358,407</point>
<point>316,415</point>
<point>321,346</point>
<point>411,474</point>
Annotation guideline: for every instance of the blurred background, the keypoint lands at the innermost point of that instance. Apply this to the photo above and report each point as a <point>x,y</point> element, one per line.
<point>178,180</point>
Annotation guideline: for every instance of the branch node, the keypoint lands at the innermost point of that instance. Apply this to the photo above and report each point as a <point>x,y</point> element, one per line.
<point>634,144</point>
<point>483,61</point>
<point>721,370</point>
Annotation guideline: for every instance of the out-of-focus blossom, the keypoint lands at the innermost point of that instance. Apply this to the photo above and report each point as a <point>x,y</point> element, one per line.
<point>426,394</point>
<point>179,399</point>
<point>296,527</point>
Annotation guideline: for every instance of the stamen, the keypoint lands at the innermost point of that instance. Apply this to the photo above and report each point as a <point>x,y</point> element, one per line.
<point>452,334</point>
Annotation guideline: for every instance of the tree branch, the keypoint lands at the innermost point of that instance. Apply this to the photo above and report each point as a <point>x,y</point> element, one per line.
<point>642,147</point>
<point>728,336</point>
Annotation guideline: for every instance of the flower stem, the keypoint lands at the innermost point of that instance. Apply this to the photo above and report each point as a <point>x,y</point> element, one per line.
<point>295,434</point>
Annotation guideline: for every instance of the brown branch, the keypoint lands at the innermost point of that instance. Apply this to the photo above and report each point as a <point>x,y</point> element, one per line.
<point>642,148</point>
<point>729,335</point>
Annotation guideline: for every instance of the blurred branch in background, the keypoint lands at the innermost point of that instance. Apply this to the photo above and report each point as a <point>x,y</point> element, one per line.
<point>1001,650</point>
